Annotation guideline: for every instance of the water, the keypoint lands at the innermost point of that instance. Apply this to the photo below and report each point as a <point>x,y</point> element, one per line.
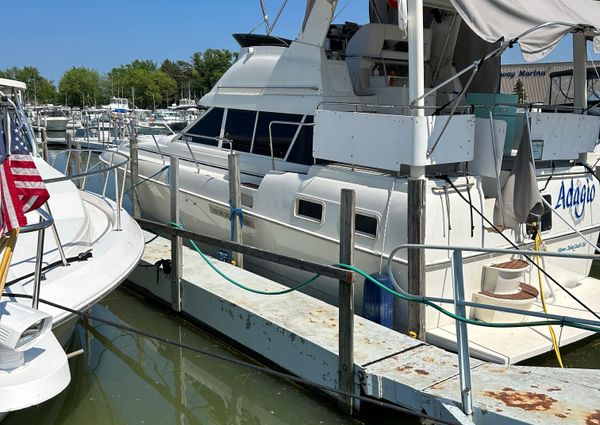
<point>126,379</point>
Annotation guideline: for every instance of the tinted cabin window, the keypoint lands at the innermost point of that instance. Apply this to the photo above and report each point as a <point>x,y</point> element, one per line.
<point>209,125</point>
<point>283,134</point>
<point>302,151</point>
<point>308,209</point>
<point>239,127</point>
<point>365,224</point>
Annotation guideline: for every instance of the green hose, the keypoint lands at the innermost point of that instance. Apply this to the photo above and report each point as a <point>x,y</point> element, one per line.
<point>407,297</point>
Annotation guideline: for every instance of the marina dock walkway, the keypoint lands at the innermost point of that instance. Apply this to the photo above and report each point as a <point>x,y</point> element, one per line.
<point>300,334</point>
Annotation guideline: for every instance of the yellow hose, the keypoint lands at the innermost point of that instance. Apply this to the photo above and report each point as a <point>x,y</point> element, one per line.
<point>10,242</point>
<point>538,243</point>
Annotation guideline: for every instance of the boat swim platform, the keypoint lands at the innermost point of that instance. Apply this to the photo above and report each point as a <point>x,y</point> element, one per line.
<point>299,334</point>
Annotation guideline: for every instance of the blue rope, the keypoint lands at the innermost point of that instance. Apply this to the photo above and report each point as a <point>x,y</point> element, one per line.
<point>233,213</point>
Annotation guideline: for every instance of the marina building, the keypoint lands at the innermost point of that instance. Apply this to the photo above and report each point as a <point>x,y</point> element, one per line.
<point>545,82</point>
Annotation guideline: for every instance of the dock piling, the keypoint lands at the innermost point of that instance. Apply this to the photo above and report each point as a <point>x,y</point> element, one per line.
<point>346,299</point>
<point>176,241</point>
<point>134,176</point>
<point>416,257</point>
<point>235,204</point>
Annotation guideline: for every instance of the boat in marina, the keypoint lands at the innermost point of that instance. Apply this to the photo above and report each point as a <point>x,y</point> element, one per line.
<point>74,249</point>
<point>53,118</point>
<point>377,107</point>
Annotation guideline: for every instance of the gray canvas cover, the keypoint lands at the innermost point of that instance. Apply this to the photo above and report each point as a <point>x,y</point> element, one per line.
<point>521,195</point>
<point>495,19</point>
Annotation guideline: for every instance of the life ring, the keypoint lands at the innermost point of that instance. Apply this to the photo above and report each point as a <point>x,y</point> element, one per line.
<point>393,3</point>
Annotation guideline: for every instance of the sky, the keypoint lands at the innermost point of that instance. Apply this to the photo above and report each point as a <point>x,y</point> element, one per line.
<point>55,35</point>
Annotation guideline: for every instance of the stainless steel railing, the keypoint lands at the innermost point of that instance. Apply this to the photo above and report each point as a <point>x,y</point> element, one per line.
<point>111,163</point>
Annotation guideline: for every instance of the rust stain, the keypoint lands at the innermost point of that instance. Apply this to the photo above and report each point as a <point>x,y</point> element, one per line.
<point>421,372</point>
<point>593,419</point>
<point>507,389</point>
<point>560,415</point>
<point>525,400</point>
<point>553,389</point>
<point>404,368</point>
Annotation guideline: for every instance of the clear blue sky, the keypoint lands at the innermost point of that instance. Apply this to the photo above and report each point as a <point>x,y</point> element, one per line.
<point>55,35</point>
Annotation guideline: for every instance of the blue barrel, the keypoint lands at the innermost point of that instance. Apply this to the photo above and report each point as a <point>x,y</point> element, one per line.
<point>378,304</point>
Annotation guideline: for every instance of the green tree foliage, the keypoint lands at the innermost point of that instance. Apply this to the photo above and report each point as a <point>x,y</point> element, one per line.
<point>152,87</point>
<point>184,75</point>
<point>210,66</point>
<point>80,86</point>
<point>38,87</point>
<point>520,91</point>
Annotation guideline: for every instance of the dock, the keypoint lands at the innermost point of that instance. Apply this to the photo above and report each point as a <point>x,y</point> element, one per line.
<point>300,334</point>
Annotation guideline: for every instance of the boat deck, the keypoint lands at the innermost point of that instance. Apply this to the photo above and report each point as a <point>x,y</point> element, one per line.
<point>300,334</point>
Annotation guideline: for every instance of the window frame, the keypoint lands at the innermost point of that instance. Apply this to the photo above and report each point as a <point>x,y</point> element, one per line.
<point>314,201</point>
<point>368,214</point>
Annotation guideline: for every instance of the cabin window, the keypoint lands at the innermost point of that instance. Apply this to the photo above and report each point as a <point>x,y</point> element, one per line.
<point>309,209</point>
<point>365,225</point>
<point>239,127</point>
<point>208,126</point>
<point>283,134</point>
<point>302,150</point>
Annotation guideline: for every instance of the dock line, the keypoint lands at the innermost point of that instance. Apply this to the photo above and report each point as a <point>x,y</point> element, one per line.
<point>272,372</point>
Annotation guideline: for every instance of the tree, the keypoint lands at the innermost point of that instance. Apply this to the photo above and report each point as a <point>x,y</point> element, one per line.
<point>210,66</point>
<point>520,91</point>
<point>80,86</point>
<point>183,73</point>
<point>39,88</point>
<point>152,87</point>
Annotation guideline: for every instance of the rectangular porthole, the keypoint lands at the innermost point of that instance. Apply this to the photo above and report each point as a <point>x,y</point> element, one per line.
<point>366,225</point>
<point>309,209</point>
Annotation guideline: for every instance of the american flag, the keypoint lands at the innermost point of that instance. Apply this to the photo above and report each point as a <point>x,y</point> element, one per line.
<point>21,185</point>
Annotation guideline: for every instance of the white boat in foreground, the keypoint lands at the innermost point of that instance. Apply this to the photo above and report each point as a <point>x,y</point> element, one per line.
<point>75,250</point>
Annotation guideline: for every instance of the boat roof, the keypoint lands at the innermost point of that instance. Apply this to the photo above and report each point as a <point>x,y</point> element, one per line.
<point>13,84</point>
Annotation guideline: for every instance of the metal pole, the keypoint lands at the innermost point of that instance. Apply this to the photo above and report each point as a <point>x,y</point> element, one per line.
<point>176,242</point>
<point>61,251</point>
<point>44,142</point>
<point>134,176</point>
<point>38,268</point>
<point>235,204</point>
<point>416,86</point>
<point>346,299</point>
<point>462,338</point>
<point>580,70</point>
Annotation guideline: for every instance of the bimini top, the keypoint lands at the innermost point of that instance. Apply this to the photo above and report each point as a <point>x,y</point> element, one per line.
<point>496,19</point>
<point>13,84</point>
<point>493,20</point>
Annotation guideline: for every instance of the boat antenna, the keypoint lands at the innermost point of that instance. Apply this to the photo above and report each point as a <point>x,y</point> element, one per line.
<point>278,16</point>
<point>265,16</point>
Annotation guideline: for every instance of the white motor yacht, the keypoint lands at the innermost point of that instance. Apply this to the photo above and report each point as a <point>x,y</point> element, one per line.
<point>74,250</point>
<point>376,107</point>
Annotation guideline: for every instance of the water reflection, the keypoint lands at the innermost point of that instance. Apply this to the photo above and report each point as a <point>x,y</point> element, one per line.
<point>124,379</point>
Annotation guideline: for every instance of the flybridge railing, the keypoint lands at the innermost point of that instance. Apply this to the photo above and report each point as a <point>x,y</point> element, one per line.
<point>106,162</point>
<point>460,303</point>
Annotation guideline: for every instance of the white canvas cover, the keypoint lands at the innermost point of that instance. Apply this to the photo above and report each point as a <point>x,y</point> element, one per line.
<point>495,19</point>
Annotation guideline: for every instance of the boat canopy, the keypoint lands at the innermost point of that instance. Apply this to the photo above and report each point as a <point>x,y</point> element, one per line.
<point>494,20</point>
